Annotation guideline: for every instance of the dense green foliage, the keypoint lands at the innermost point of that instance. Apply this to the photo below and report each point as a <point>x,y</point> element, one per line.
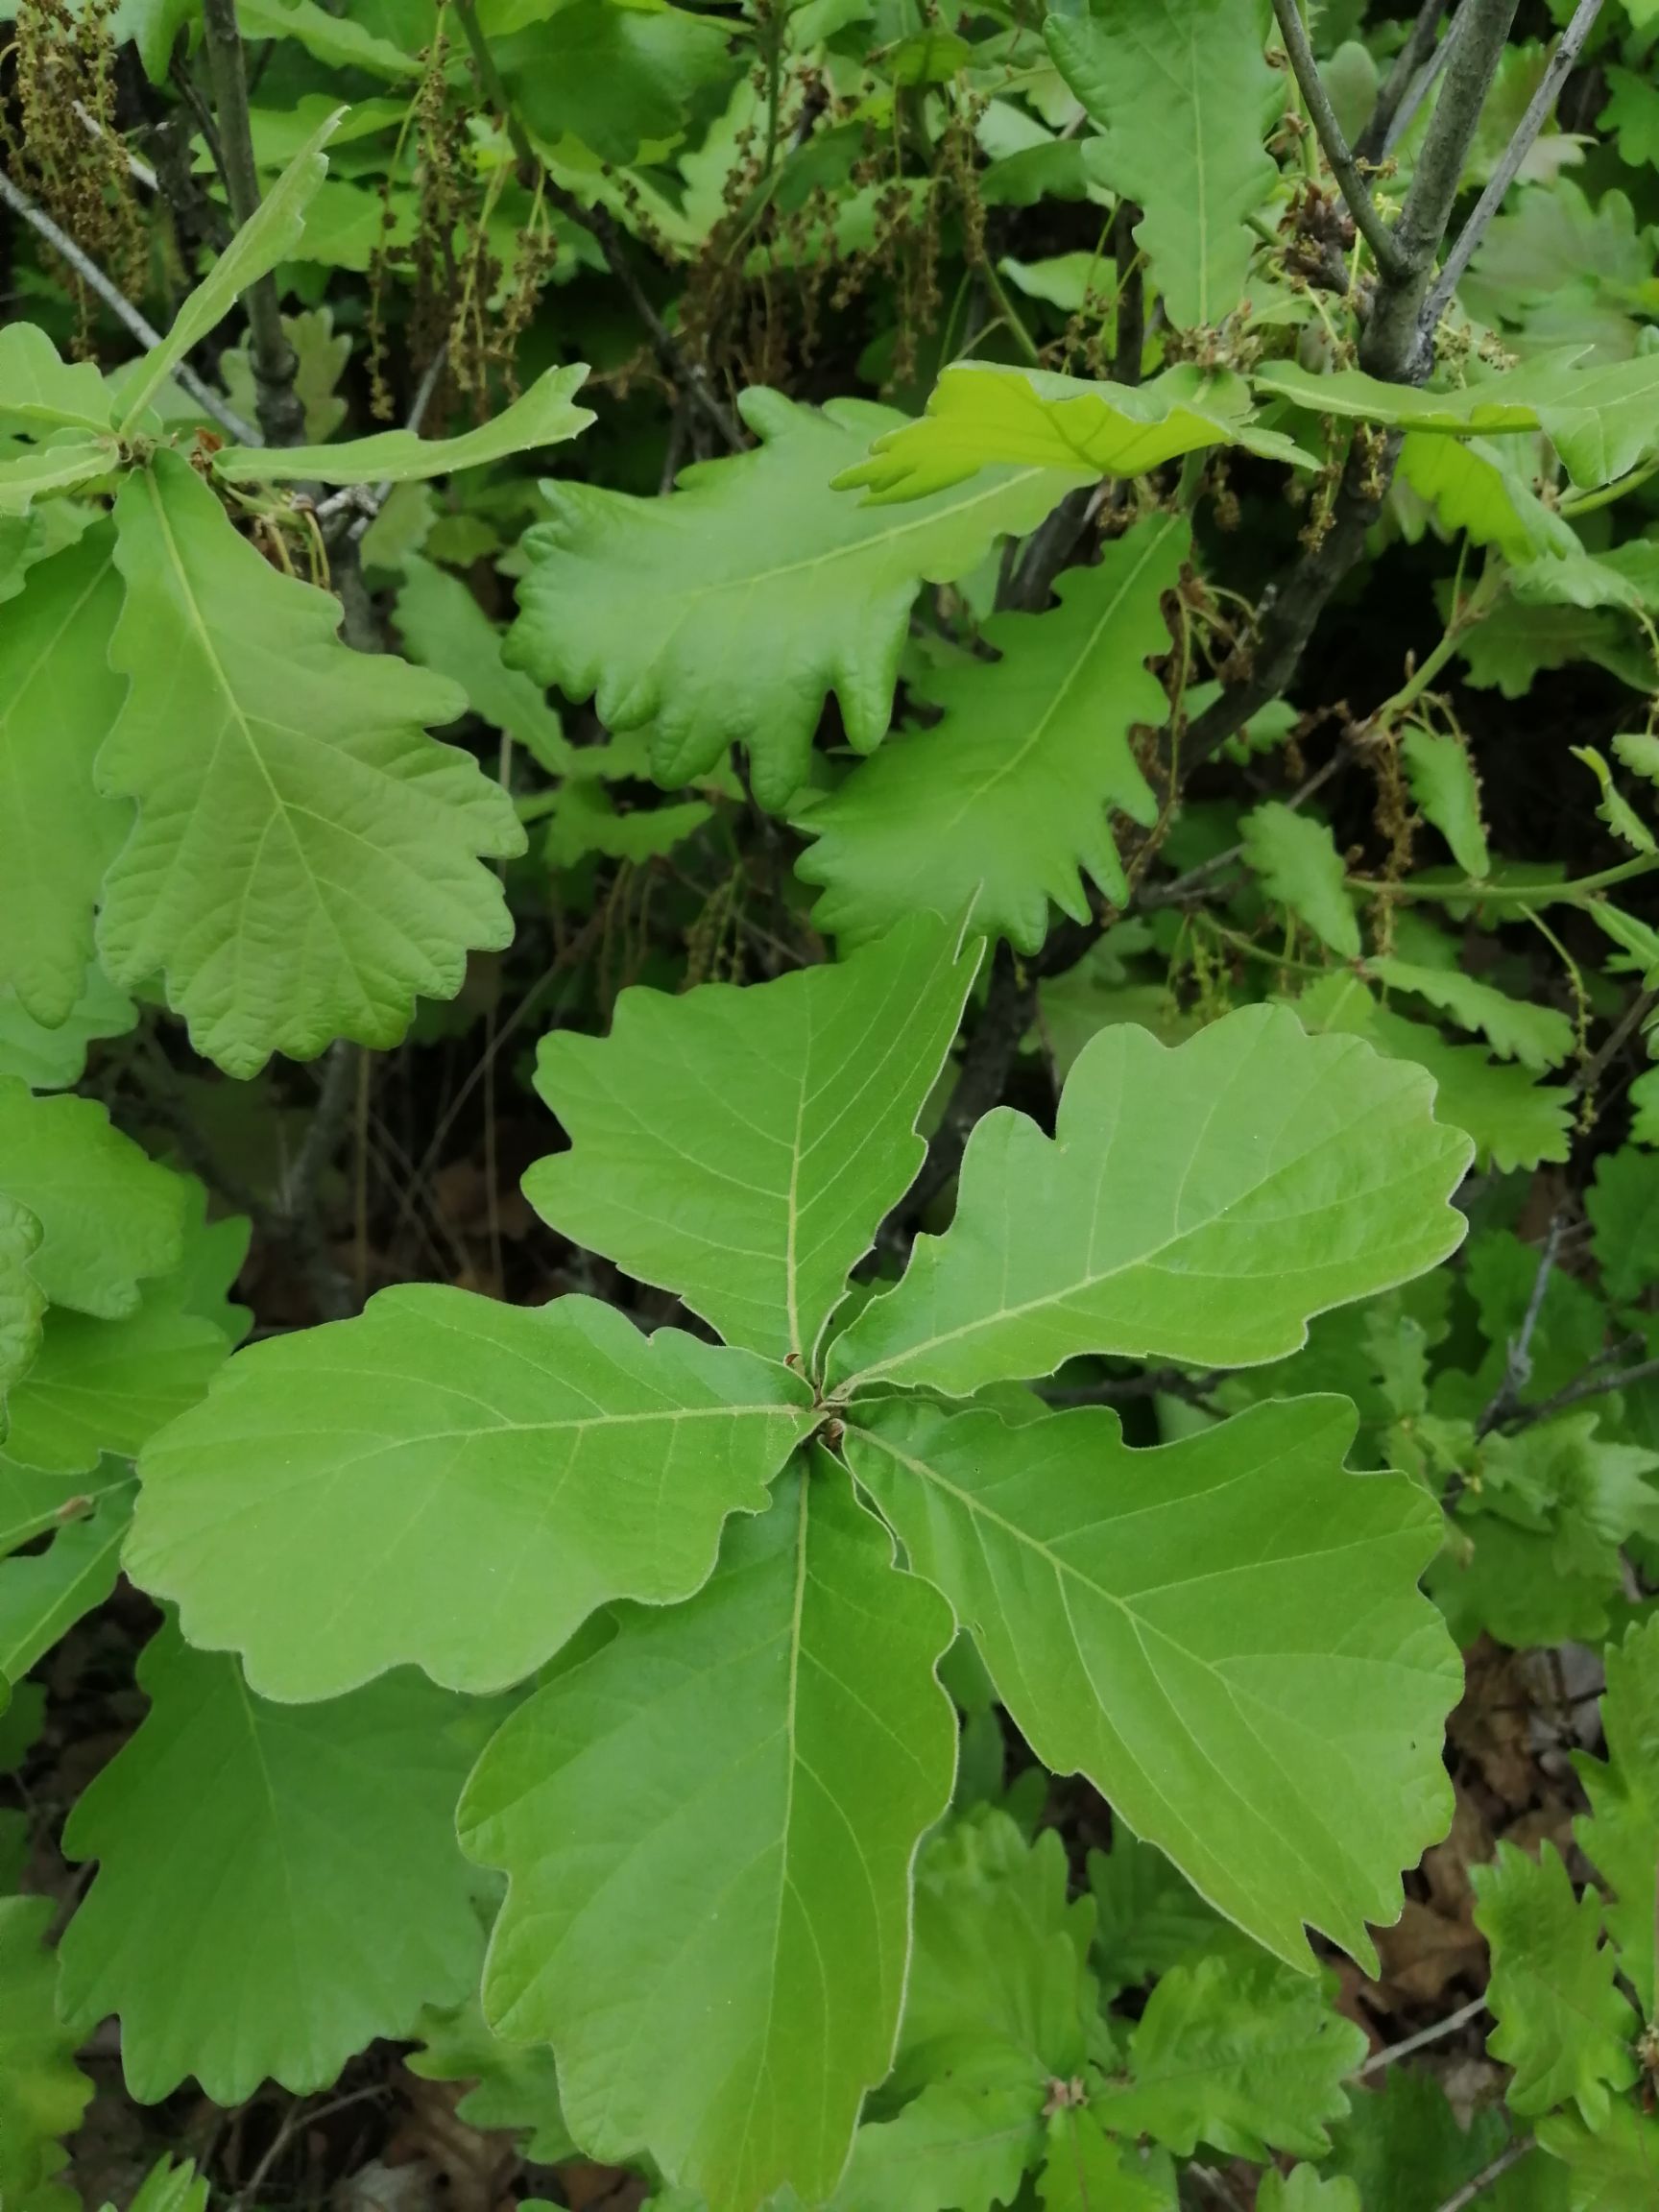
<point>1028,644</point>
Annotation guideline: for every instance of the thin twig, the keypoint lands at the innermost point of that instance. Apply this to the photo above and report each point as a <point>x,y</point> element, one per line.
<point>1538,110</point>
<point>1589,1386</point>
<point>279,407</point>
<point>1615,1042</point>
<point>1372,142</point>
<point>1450,2025</point>
<point>688,377</point>
<point>1356,192</point>
<point>1518,1360</point>
<point>1424,83</point>
<point>1478,2183</point>
<point>123,309</point>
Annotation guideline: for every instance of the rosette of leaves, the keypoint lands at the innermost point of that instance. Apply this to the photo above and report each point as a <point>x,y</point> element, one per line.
<point>732,1568</point>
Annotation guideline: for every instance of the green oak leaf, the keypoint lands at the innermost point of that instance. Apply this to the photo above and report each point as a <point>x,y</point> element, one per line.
<point>305,858</point>
<point>1149,1916</point>
<point>1238,2052</point>
<point>42,2091</point>
<point>1562,2025</point>
<point>110,1218</point>
<point>34,1502</point>
<point>276,1885</point>
<point>515,2086</point>
<point>1231,1620</point>
<point>106,1387</point>
<point>980,415</point>
<point>1475,485</point>
<point>1613,2168</point>
<point>615,76</point>
<point>1197,1204</point>
<point>27,475</point>
<point>1405,2150</point>
<point>265,239</point>
<point>452,1483</point>
<point>54,1057</point>
<point>966,2141</point>
<point>1178,94</point>
<point>1004,804</point>
<point>57,700</point>
<point>1620,1837</point>
<point>339,42</point>
<point>1086,2170</point>
<point>1304,2189</point>
<point>671,612</point>
<point>1623,1204</point>
<point>543,416</point>
<point>741,1147</point>
<point>1539,1037</point>
<point>22,1302</point>
<point>1295,856</point>
<point>444,627</point>
<point>45,1593</point>
<point>727,1797</point>
<point>41,392</point>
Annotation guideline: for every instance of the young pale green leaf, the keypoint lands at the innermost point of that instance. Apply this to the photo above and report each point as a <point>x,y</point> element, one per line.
<point>276,1886</point>
<point>1237,2052</point>
<point>1197,1204</point>
<point>675,611</point>
<point>1621,1838</point>
<point>1539,1037</point>
<point>305,858</point>
<point>1086,2170</point>
<point>256,249</point>
<point>340,42</point>
<point>54,1058</point>
<point>1623,1204</point>
<point>99,1386</point>
<point>1004,805</point>
<point>1295,856</point>
<point>42,2091</point>
<point>966,2141</point>
<point>980,415</point>
<point>543,416</point>
<point>1445,787</point>
<point>1306,2190</point>
<point>741,1147</point>
<point>1178,93</point>
<point>1475,485</point>
<point>1000,1986</point>
<point>453,1483</point>
<point>1149,1916</point>
<point>57,700</point>
<point>1562,2025</point>
<point>1495,404</point>
<point>1613,2168</point>
<point>41,392</point>
<point>1512,1120</point>
<point>37,470</point>
<point>515,2086</point>
<point>1232,1619</point>
<point>110,1218</point>
<point>44,1594</point>
<point>708,1828</point>
<point>444,627</point>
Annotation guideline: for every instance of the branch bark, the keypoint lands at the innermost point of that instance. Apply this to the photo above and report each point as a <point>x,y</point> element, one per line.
<point>280,410</point>
<point>1372,142</point>
<point>1343,167</point>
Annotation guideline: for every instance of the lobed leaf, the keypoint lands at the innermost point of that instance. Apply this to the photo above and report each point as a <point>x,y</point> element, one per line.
<point>1620,1837</point>
<point>276,1886</point>
<point>42,2091</point>
<point>980,415</point>
<point>453,1484</point>
<point>724,614</point>
<point>108,1216</point>
<point>1004,806</point>
<point>41,392</point>
<point>1295,856</point>
<point>741,1147</point>
<point>1198,1204</point>
<point>725,1797</point>
<point>1228,1622</point>
<point>1562,2025</point>
<point>305,860</point>
<point>57,835</point>
<point>44,1594</point>
<point>543,416</point>
<point>1178,94</point>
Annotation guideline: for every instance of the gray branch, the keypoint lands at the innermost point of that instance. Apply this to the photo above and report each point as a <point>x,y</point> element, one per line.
<point>122,308</point>
<point>281,411</point>
<point>1355,190</point>
<point>1515,154</point>
<point>1374,141</point>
